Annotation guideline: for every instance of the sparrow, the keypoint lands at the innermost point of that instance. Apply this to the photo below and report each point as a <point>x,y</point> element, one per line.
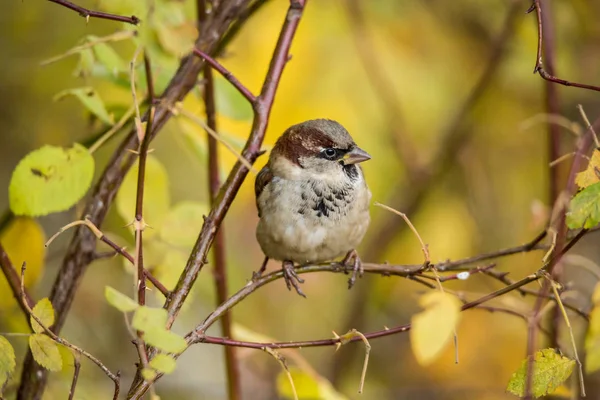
<point>312,199</point>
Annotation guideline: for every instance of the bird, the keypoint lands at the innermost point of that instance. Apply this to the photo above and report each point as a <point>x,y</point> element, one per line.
<point>313,200</point>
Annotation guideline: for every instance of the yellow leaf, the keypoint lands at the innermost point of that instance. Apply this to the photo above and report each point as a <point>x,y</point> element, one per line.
<point>7,360</point>
<point>45,313</point>
<point>45,352</point>
<point>591,174</point>
<point>23,239</point>
<point>433,328</point>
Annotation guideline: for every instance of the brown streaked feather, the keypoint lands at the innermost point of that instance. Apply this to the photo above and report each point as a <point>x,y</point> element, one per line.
<point>262,179</point>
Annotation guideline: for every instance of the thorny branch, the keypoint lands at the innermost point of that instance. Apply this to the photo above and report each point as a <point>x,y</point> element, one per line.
<point>87,14</point>
<point>81,251</point>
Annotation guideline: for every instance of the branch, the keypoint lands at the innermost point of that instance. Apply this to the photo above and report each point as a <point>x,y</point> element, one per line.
<point>10,273</point>
<point>81,251</point>
<point>539,64</point>
<point>219,258</point>
<point>227,75</point>
<point>87,14</point>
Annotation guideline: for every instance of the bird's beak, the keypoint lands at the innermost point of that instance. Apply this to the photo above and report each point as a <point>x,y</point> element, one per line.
<point>355,156</point>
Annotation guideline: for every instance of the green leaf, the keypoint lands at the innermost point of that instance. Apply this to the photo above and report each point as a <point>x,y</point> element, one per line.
<point>149,318</point>
<point>108,57</point>
<point>50,179</point>
<point>180,227</point>
<point>119,301</point>
<point>550,370</point>
<point>230,102</point>
<point>433,328</point>
<point>584,210</point>
<point>148,374</point>
<point>7,361</point>
<point>156,195</point>
<point>165,340</point>
<point>45,352</point>
<point>45,313</point>
<point>90,100</point>
<point>86,63</point>
<point>163,363</point>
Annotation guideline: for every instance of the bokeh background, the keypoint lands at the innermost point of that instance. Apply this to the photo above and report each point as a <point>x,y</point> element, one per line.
<point>400,75</point>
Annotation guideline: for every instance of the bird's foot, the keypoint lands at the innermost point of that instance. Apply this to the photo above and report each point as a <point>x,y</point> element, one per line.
<point>291,277</point>
<point>353,260</point>
<point>258,274</point>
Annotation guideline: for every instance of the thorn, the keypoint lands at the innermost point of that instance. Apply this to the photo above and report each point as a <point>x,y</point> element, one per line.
<point>530,9</point>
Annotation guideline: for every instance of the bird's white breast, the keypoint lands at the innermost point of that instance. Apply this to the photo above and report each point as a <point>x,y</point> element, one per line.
<point>312,220</point>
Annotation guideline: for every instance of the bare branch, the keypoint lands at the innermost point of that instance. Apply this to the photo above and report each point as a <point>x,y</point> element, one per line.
<point>87,14</point>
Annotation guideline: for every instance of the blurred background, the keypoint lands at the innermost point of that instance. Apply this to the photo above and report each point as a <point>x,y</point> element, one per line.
<point>440,93</point>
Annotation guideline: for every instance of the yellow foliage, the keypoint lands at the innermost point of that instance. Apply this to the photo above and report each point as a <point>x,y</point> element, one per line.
<point>23,239</point>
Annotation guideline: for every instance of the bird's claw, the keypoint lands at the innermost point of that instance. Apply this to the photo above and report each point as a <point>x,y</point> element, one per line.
<point>291,277</point>
<point>352,259</point>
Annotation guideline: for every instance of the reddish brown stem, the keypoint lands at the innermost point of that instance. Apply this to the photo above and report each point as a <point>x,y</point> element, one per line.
<point>227,75</point>
<point>84,12</point>
<point>234,389</point>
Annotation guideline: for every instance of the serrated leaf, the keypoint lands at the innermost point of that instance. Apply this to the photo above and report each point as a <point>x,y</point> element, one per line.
<point>7,361</point>
<point>591,174</point>
<point>156,195</point>
<point>181,225</point>
<point>91,101</point>
<point>148,374</point>
<point>45,313</point>
<point>163,363</point>
<point>550,370</point>
<point>119,301</point>
<point>165,340</point>
<point>31,250</point>
<point>584,210</point>
<point>433,328</point>
<point>45,352</point>
<point>50,179</point>
<point>148,318</point>
<point>230,102</point>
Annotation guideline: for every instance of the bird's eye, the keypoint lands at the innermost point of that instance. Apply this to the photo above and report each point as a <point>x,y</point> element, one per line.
<point>330,153</point>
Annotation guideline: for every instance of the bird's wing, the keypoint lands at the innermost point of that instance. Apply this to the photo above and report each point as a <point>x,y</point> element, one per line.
<point>262,179</point>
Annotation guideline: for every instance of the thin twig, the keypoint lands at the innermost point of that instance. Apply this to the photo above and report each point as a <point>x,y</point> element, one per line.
<point>539,65</point>
<point>227,75</point>
<point>120,250</point>
<point>588,125</point>
<point>87,14</point>
<point>77,367</point>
